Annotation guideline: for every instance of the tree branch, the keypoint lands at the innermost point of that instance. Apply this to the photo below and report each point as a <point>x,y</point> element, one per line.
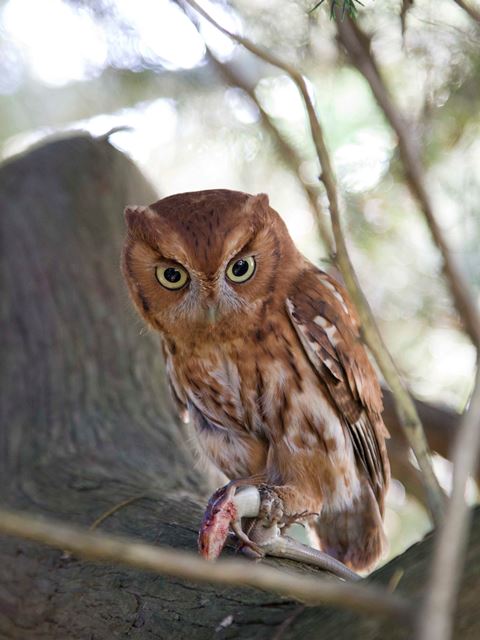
<point>436,619</point>
<point>406,6</point>
<point>440,423</point>
<point>122,551</point>
<point>472,12</point>
<point>357,45</point>
<point>402,469</point>
<point>405,408</point>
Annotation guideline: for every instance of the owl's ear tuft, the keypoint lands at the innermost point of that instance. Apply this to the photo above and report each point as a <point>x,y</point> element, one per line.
<point>262,201</point>
<point>136,216</point>
<point>259,209</point>
<point>258,206</point>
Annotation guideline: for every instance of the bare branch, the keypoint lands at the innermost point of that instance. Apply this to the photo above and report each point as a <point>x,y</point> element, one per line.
<point>357,45</point>
<point>122,551</point>
<point>441,426</point>
<point>436,619</point>
<point>472,11</point>
<point>402,469</point>
<point>406,6</point>
<point>440,423</point>
<point>405,408</point>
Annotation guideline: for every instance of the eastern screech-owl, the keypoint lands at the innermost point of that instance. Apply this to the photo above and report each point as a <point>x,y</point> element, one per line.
<point>263,354</point>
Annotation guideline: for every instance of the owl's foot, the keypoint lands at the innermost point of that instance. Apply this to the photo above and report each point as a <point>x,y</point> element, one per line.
<point>272,507</point>
<point>256,515</point>
<point>262,508</point>
<point>280,505</point>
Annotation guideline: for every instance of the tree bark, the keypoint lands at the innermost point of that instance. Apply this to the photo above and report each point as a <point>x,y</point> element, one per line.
<point>86,424</point>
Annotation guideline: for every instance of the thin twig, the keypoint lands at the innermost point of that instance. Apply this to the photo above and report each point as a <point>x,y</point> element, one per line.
<point>472,12</point>
<point>436,619</point>
<point>405,407</point>
<point>357,45</point>
<point>116,507</point>
<point>406,6</point>
<point>118,550</point>
<point>403,469</point>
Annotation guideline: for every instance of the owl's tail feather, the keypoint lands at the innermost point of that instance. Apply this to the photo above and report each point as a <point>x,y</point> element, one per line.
<point>355,535</point>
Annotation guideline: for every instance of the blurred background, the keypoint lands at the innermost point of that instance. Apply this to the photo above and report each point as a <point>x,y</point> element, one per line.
<point>195,111</point>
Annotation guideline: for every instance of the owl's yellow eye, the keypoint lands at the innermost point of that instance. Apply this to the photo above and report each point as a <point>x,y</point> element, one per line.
<point>173,277</point>
<point>241,270</point>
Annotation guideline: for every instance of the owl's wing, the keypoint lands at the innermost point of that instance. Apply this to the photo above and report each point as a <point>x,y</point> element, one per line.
<point>327,327</point>
<point>176,392</point>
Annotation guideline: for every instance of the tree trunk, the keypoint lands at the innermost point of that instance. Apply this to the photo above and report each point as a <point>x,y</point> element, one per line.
<point>86,424</point>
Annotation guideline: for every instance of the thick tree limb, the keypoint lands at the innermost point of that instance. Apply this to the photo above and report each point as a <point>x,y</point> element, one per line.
<point>405,407</point>
<point>101,547</point>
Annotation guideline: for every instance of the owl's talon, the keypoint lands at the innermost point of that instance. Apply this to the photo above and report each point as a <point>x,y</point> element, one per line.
<point>298,518</point>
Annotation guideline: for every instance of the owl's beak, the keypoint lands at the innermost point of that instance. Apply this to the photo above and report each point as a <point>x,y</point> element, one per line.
<point>212,313</point>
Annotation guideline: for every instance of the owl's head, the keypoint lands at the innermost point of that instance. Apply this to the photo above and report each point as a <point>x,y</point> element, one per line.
<point>206,262</point>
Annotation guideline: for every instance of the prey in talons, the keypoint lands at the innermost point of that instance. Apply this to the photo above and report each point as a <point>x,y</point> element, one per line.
<point>254,514</point>
<point>223,515</point>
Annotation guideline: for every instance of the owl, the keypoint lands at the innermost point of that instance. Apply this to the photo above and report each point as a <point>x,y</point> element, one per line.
<point>264,358</point>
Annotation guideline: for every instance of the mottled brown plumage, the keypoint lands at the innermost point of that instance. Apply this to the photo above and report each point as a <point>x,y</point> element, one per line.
<point>270,371</point>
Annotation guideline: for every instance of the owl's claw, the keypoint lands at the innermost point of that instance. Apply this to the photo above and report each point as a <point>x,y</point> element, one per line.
<point>299,518</point>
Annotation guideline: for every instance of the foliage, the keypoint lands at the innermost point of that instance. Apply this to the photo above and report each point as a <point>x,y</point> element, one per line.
<point>348,8</point>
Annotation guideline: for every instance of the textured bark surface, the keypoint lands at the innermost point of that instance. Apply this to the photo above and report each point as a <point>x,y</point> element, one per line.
<point>85,423</point>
